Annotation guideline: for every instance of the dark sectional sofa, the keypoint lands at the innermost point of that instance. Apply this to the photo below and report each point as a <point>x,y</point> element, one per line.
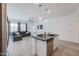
<point>25,33</point>
<point>18,35</point>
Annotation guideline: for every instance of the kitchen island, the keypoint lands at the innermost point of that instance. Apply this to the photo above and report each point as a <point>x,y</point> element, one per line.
<point>43,44</point>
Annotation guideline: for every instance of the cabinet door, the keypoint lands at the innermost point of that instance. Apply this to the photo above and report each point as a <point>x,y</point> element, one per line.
<point>50,47</point>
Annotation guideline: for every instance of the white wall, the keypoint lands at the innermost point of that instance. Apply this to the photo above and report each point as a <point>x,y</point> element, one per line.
<point>77,24</point>
<point>66,26</point>
<point>77,29</point>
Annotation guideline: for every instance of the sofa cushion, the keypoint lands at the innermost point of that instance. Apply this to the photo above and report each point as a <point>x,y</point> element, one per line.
<point>24,33</point>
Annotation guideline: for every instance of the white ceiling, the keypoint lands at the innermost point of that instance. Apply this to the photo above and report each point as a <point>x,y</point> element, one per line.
<point>24,10</point>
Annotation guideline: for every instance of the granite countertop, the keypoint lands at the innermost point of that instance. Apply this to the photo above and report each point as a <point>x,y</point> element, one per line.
<point>44,38</point>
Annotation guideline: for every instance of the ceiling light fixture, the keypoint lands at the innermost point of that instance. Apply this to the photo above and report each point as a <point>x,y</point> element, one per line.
<point>47,11</point>
<point>46,20</point>
<point>40,18</point>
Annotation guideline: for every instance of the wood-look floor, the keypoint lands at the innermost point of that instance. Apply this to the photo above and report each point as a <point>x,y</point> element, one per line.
<point>24,48</point>
<point>66,49</point>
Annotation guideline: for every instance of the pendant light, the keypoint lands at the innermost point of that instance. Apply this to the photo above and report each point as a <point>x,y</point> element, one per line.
<point>40,18</point>
<point>46,10</point>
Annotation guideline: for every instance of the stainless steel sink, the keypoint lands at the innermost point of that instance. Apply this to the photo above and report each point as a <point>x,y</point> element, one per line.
<point>41,35</point>
<point>51,34</point>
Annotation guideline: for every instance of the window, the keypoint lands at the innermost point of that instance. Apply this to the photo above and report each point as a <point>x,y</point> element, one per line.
<point>39,26</point>
<point>23,27</point>
<point>13,27</point>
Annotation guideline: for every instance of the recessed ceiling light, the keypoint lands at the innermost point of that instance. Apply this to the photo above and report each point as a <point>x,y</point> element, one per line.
<point>40,18</point>
<point>46,20</point>
<point>48,11</point>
